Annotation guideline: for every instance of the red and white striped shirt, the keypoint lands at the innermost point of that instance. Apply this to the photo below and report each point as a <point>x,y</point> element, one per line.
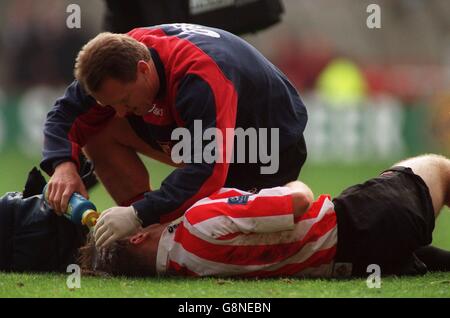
<point>237,233</point>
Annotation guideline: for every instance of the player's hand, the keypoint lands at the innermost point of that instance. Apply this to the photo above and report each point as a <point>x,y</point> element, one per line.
<point>114,224</point>
<point>63,183</point>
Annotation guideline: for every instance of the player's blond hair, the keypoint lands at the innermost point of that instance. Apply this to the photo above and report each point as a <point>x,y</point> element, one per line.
<point>109,55</point>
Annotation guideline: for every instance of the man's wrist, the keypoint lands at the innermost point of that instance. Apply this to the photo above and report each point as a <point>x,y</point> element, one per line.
<point>144,212</point>
<point>136,215</point>
<point>63,162</point>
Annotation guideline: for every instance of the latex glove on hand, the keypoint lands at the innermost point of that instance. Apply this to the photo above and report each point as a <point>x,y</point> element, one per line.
<point>114,224</point>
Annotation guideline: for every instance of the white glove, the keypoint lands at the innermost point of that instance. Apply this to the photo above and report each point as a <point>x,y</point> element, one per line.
<point>114,224</point>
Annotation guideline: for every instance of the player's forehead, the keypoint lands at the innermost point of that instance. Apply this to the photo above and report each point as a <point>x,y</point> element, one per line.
<point>112,91</point>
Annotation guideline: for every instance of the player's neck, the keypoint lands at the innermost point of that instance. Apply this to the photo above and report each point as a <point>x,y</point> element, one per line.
<point>154,77</point>
<point>152,243</point>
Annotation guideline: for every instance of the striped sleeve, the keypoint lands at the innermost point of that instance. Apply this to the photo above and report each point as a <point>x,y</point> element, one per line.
<point>271,210</point>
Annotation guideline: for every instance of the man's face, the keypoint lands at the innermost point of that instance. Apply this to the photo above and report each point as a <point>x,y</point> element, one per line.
<point>134,97</point>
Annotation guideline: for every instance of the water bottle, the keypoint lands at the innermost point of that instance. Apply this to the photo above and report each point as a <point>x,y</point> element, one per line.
<point>79,210</point>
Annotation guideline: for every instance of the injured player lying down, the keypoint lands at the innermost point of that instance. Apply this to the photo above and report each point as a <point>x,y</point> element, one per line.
<point>282,231</point>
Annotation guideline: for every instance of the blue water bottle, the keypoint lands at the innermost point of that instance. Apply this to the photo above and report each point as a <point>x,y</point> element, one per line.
<point>79,210</point>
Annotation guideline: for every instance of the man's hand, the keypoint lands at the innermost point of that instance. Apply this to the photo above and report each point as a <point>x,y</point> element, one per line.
<point>63,183</point>
<point>114,224</point>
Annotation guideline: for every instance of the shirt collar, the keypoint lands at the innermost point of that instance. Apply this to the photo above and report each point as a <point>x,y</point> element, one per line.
<point>161,72</point>
<point>165,245</point>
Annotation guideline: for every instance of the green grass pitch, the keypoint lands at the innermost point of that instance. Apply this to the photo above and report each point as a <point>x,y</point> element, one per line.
<point>329,179</point>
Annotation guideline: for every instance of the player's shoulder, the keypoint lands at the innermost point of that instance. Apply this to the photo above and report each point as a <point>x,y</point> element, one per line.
<point>227,193</point>
<point>142,33</point>
<point>217,199</point>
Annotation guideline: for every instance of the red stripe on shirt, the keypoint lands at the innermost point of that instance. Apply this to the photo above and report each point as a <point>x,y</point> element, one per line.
<point>226,194</point>
<point>251,254</point>
<point>314,209</point>
<point>259,207</point>
<point>321,257</point>
<point>174,267</point>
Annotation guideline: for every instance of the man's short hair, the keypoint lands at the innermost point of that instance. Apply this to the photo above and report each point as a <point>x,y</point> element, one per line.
<point>118,259</point>
<point>109,55</point>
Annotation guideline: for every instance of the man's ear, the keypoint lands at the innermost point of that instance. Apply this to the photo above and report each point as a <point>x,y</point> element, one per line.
<point>138,238</point>
<point>142,66</point>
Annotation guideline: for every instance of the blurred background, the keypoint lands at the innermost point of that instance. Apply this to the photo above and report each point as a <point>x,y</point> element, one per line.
<point>373,95</point>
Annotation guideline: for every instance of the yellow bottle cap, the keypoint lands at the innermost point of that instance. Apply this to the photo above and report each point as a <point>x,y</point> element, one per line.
<point>89,218</point>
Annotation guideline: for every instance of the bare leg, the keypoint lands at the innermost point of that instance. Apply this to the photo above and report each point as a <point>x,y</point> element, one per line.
<point>117,164</point>
<point>435,171</point>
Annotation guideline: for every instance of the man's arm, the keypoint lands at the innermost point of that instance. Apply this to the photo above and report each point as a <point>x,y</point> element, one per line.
<point>73,118</point>
<point>196,100</point>
<point>302,197</point>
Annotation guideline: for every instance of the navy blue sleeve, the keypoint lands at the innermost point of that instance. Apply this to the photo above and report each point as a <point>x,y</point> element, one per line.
<point>195,100</point>
<point>72,119</point>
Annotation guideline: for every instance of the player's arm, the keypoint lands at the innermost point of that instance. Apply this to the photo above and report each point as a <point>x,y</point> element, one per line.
<point>270,210</point>
<point>72,119</point>
<point>302,197</point>
<point>196,100</point>
<point>273,209</point>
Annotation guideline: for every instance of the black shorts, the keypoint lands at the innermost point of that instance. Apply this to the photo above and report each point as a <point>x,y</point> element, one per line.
<point>383,221</point>
<point>248,177</point>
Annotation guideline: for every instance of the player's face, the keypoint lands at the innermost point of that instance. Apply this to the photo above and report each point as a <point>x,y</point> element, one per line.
<point>134,97</point>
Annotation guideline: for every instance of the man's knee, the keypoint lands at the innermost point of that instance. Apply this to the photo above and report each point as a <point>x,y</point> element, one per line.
<point>118,133</point>
<point>446,172</point>
<point>116,128</point>
<point>428,162</point>
<point>435,171</point>
<point>443,165</point>
<point>438,159</point>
